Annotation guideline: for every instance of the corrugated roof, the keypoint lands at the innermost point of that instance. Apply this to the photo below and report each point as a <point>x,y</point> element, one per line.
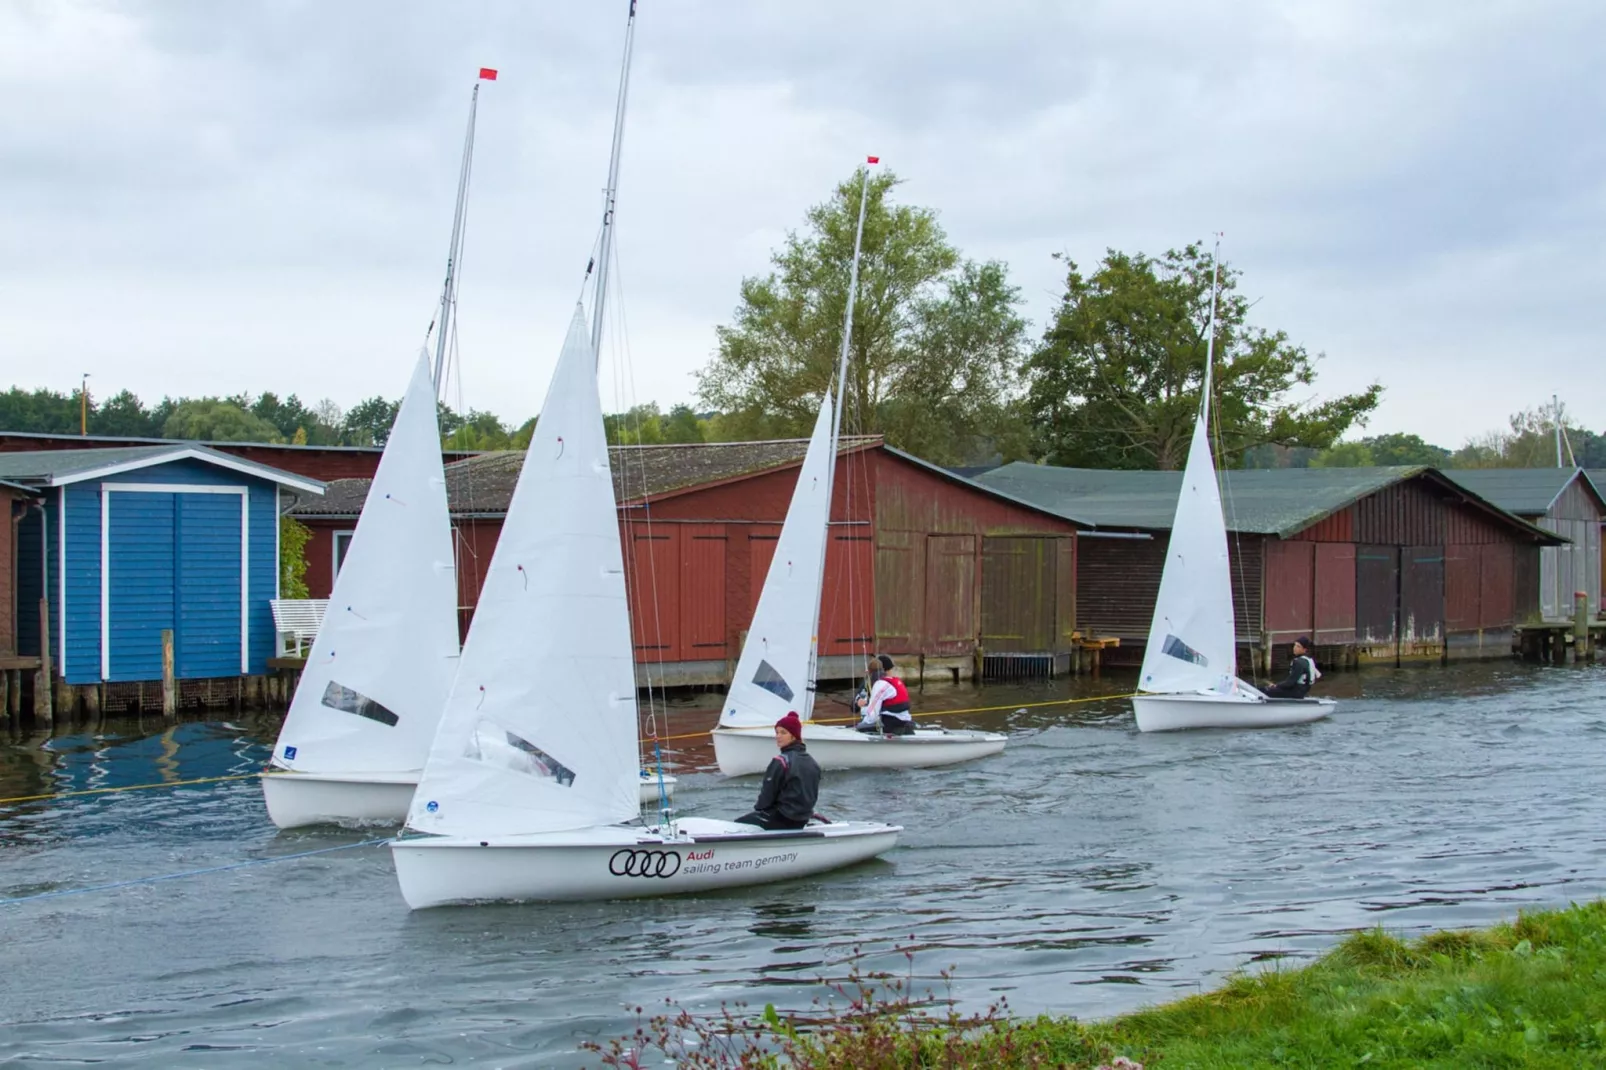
<point>484,484</point>
<point>1525,491</point>
<point>53,467</point>
<point>1261,501</point>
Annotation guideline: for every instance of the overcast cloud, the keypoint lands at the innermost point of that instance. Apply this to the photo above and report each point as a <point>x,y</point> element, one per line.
<point>210,198</point>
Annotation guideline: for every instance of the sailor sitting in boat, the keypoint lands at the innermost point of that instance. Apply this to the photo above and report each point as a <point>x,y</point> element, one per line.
<point>791,783</point>
<point>885,701</point>
<point>1302,673</point>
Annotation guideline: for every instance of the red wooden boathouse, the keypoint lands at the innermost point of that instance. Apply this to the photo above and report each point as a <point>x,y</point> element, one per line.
<point>922,564</point>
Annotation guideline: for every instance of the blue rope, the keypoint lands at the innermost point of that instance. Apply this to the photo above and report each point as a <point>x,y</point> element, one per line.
<point>191,872</point>
<point>663,797</point>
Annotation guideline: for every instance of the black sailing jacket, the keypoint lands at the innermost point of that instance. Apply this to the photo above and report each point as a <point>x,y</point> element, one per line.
<point>791,784</point>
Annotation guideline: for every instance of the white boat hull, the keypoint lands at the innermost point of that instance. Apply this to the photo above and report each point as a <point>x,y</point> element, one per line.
<point>298,799</point>
<point>743,751</point>
<point>1171,713</point>
<point>625,862</point>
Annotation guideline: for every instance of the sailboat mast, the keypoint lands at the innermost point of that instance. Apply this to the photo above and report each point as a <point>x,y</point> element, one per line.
<point>847,324</point>
<point>1210,338</point>
<point>836,424</point>
<point>1555,418</point>
<point>605,252</point>
<point>449,290</point>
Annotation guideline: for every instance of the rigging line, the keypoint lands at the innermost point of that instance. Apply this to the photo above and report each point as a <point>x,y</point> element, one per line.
<point>623,344</point>
<point>190,873</point>
<point>128,787</point>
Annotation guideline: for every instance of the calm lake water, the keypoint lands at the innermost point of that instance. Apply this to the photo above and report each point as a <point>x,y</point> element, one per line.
<point>1087,870</point>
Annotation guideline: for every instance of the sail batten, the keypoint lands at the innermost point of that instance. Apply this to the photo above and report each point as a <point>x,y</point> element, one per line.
<point>539,733</point>
<point>379,670</point>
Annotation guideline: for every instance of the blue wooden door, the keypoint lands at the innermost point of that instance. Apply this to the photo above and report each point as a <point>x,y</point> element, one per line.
<point>207,637</point>
<point>140,587</point>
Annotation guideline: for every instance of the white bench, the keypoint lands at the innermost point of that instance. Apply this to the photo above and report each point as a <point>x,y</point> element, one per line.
<point>296,622</point>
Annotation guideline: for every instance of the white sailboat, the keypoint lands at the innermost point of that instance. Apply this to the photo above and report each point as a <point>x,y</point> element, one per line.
<point>776,670</point>
<point>353,743</point>
<point>1189,677</point>
<point>354,740</point>
<point>533,773</point>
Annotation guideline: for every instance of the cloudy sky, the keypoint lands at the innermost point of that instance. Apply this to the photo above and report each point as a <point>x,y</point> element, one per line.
<point>209,198</point>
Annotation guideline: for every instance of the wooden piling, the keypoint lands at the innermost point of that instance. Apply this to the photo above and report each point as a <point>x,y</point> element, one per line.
<point>169,682</point>
<point>66,699</point>
<point>5,693</point>
<point>1580,625</point>
<point>43,711</point>
<point>92,701</point>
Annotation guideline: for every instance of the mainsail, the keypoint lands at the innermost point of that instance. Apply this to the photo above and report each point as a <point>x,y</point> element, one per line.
<point>776,670</point>
<point>1191,644</point>
<point>539,733</point>
<point>378,672</point>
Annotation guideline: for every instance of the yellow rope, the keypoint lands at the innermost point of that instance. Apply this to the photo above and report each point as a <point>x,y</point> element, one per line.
<point>128,787</point>
<point>661,739</point>
<point>925,714</point>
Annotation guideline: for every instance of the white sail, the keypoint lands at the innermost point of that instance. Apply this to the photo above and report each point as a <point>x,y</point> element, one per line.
<point>539,733</point>
<point>776,670</point>
<point>1191,641</point>
<point>379,671</point>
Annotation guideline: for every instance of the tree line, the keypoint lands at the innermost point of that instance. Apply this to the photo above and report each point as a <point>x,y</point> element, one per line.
<point>941,363</point>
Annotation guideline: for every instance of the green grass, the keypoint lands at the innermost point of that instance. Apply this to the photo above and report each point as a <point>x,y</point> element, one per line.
<point>1527,994</point>
<point>1531,993</point>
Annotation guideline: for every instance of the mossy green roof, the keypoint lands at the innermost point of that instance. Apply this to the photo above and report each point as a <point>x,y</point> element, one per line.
<point>1258,501</point>
<point>1527,492</point>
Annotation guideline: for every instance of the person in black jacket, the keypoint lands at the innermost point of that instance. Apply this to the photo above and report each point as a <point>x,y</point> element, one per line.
<point>1302,673</point>
<point>791,783</point>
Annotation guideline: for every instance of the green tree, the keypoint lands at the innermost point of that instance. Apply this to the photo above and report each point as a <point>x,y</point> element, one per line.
<point>1116,381</point>
<point>683,425</point>
<point>935,344</point>
<point>1345,455</point>
<point>1530,442</point>
<point>526,432</point>
<point>479,431</point>
<point>39,411</point>
<point>1388,450</point>
<point>124,414</point>
<point>639,425</point>
<point>293,539</point>
<point>217,420</point>
<point>368,423</point>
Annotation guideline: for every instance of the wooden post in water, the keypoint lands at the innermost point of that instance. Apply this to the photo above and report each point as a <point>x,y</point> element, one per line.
<point>1580,625</point>
<point>43,711</point>
<point>169,684</point>
<point>5,693</point>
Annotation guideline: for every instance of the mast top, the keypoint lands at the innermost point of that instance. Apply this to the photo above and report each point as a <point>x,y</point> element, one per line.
<point>610,194</point>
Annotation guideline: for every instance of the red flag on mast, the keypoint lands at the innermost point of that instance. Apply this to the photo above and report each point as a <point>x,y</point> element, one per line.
<point>488,74</point>
<point>873,159</point>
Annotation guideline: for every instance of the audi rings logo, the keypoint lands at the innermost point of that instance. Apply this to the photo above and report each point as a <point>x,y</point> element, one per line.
<point>628,863</point>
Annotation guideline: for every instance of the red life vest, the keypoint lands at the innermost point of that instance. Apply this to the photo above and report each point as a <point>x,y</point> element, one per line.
<point>899,702</point>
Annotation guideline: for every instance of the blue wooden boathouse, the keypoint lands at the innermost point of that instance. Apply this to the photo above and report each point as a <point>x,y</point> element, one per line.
<point>124,544</point>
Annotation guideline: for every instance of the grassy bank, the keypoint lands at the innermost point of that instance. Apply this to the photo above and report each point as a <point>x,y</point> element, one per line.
<point>1531,993</point>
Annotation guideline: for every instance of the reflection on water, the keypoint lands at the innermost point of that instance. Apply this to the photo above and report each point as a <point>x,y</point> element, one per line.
<point>1088,869</point>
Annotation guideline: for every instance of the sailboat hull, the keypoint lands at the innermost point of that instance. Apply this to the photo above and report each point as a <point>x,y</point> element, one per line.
<point>298,799</point>
<point>744,751</point>
<point>1171,713</point>
<point>625,862</point>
